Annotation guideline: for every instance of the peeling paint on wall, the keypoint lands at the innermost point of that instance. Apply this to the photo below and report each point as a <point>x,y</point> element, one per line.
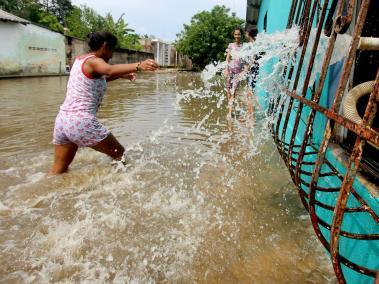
<point>30,50</point>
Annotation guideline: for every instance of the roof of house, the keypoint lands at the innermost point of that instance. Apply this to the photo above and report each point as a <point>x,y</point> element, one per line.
<point>8,17</point>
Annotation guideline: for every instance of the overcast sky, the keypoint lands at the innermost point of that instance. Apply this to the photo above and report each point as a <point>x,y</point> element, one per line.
<point>161,18</point>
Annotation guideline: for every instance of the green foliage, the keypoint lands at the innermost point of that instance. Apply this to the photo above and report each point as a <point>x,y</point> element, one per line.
<point>12,6</point>
<point>58,8</point>
<point>33,11</point>
<point>131,41</point>
<point>78,21</point>
<point>48,20</point>
<point>75,24</point>
<point>83,20</point>
<point>126,36</point>
<point>205,39</point>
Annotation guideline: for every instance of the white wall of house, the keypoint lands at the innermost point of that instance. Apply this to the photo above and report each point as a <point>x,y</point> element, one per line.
<point>30,50</point>
<point>162,52</point>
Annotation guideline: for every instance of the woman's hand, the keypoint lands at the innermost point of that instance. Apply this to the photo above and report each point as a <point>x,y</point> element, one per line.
<point>130,76</point>
<point>148,65</point>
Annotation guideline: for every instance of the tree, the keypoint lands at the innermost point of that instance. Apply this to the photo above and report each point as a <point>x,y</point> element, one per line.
<point>79,21</point>
<point>126,36</point>
<point>82,20</point>
<point>205,39</point>
<point>75,24</point>
<point>48,20</point>
<point>12,6</point>
<point>33,11</point>
<point>59,8</point>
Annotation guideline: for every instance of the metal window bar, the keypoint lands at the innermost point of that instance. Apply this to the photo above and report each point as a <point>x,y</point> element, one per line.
<point>294,155</point>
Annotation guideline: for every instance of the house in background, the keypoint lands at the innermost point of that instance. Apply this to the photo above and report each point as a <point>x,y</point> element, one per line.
<point>28,49</point>
<point>162,51</point>
<point>165,53</point>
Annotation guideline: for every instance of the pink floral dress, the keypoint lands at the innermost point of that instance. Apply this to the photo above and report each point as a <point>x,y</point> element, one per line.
<point>76,121</point>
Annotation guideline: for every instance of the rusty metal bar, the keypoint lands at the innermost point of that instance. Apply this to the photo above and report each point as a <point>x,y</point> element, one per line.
<point>364,204</point>
<point>339,176</point>
<point>329,19</point>
<point>354,162</point>
<point>288,80</point>
<point>350,235</point>
<point>315,98</point>
<point>342,259</point>
<point>318,12</point>
<point>355,194</point>
<point>307,21</point>
<point>333,116</point>
<point>307,78</point>
<point>291,14</point>
<point>299,11</point>
<point>342,23</point>
<point>275,103</point>
<point>363,131</point>
<point>329,129</point>
<point>348,210</point>
<point>297,77</point>
<point>305,173</point>
<point>364,207</point>
<point>276,132</point>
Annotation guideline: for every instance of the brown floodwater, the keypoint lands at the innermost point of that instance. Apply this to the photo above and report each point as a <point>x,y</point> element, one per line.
<point>202,201</point>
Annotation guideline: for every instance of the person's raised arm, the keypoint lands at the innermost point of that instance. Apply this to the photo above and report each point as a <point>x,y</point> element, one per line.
<point>99,66</point>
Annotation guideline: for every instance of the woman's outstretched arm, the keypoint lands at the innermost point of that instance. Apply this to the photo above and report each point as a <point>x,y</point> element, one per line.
<point>99,66</point>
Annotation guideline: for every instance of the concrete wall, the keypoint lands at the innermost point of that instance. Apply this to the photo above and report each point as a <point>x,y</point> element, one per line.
<point>28,50</point>
<point>122,55</point>
<point>76,46</point>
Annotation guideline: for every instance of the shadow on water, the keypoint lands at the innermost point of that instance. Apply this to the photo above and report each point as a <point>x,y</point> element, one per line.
<point>198,203</point>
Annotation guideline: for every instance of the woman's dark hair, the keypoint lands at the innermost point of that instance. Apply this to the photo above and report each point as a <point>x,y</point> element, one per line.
<point>237,29</point>
<point>97,39</point>
<point>252,33</point>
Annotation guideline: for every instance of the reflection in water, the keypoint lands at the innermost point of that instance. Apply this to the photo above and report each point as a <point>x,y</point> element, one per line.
<point>198,203</point>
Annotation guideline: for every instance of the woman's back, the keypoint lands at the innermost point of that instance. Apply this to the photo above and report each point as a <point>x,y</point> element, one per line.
<point>84,94</point>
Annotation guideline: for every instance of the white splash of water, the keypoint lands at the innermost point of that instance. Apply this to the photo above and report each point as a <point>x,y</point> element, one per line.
<point>278,50</point>
<point>341,47</point>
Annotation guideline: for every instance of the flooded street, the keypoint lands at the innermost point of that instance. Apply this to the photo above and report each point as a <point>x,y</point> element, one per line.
<point>200,202</point>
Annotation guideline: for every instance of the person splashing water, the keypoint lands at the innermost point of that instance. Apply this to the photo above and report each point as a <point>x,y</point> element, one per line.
<point>76,124</point>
